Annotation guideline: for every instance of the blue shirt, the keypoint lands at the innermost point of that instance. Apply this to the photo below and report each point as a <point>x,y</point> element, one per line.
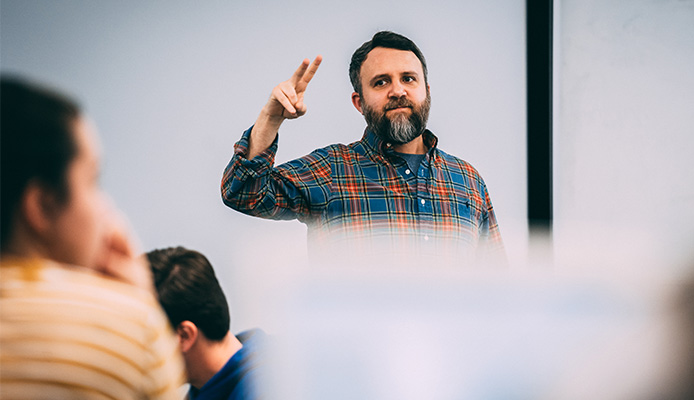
<point>237,380</point>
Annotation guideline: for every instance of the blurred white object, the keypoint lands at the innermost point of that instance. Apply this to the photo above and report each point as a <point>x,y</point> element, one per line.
<point>424,332</point>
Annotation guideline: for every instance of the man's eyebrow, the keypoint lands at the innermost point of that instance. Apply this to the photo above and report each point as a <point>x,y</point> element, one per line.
<point>410,73</point>
<point>382,76</point>
<point>379,77</point>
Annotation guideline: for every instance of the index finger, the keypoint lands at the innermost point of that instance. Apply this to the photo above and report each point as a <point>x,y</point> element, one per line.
<point>308,74</point>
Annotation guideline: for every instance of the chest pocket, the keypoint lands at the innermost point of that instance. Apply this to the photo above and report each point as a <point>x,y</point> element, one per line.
<point>466,204</point>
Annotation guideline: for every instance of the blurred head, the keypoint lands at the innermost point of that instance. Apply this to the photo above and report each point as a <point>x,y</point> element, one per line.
<point>189,291</point>
<point>389,77</point>
<point>52,205</point>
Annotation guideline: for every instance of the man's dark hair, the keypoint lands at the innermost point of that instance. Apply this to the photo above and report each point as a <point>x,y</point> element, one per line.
<point>389,40</point>
<point>37,144</point>
<point>189,291</point>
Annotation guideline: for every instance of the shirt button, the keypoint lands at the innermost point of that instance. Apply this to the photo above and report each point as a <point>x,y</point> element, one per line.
<point>423,202</point>
<point>426,238</point>
<point>407,171</point>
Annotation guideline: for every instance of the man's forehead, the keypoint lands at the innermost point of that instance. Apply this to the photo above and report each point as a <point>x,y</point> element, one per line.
<point>382,59</point>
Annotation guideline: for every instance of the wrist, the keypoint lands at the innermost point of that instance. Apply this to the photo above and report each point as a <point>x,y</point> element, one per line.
<point>269,117</point>
<point>267,124</point>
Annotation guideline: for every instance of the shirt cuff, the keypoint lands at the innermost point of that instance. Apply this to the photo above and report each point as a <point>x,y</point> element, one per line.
<point>262,160</point>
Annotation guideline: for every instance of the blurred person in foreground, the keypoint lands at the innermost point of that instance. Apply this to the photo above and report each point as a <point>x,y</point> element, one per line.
<point>219,364</point>
<point>393,192</point>
<point>78,315</point>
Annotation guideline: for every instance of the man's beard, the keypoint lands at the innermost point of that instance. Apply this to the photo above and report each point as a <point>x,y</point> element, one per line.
<point>399,129</point>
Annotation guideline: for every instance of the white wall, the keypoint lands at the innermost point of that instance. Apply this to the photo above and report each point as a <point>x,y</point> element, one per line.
<point>172,85</point>
<point>624,134</point>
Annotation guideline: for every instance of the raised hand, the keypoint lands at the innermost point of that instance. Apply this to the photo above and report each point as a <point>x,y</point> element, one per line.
<point>287,98</point>
<point>286,102</point>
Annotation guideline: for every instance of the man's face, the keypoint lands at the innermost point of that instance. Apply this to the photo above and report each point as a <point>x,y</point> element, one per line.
<point>395,99</point>
<point>78,226</point>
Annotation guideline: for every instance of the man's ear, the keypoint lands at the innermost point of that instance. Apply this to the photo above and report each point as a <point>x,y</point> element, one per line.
<point>356,100</point>
<point>187,335</point>
<point>38,207</point>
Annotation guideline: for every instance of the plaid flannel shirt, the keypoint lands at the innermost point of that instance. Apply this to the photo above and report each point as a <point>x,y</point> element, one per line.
<point>365,191</point>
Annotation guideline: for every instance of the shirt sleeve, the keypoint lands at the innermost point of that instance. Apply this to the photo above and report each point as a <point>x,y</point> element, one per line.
<point>491,245</point>
<point>298,189</point>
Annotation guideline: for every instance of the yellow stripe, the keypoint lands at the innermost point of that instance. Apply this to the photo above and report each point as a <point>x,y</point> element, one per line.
<point>69,386</point>
<point>20,336</point>
<point>57,362</point>
<point>37,272</point>
<point>11,347</point>
<point>63,316</point>
<point>75,333</point>
<point>105,292</point>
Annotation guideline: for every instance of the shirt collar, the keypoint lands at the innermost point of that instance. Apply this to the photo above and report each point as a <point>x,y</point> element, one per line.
<point>379,146</point>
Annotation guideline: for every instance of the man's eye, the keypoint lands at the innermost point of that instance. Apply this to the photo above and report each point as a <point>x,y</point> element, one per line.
<point>380,82</point>
<point>408,79</point>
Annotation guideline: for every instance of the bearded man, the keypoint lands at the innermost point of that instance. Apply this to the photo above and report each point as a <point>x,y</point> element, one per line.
<point>394,191</point>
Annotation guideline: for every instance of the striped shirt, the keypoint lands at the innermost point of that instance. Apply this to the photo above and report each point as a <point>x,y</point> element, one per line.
<point>365,191</point>
<point>68,333</point>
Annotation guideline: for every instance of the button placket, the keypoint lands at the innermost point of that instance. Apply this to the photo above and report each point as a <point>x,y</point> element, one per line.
<point>426,212</point>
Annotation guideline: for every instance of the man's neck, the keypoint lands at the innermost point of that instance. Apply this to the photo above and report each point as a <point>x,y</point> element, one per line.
<point>211,358</point>
<point>24,243</point>
<point>415,146</point>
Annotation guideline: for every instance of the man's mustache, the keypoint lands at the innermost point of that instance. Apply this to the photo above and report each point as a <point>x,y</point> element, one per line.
<point>398,103</point>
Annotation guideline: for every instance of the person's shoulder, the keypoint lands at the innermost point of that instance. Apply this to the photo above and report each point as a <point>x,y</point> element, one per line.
<point>107,284</point>
<point>337,148</point>
<point>255,345</point>
<point>106,316</point>
<point>324,156</point>
<point>254,335</point>
<point>458,163</point>
<point>250,364</point>
<point>81,285</point>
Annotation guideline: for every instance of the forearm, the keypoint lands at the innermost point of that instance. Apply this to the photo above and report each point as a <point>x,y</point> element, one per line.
<point>263,133</point>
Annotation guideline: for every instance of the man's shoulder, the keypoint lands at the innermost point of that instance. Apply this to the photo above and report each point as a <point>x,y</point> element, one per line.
<point>79,286</point>
<point>106,316</point>
<point>237,378</point>
<point>253,334</point>
<point>341,148</point>
<point>330,154</point>
<point>461,171</point>
<point>452,161</point>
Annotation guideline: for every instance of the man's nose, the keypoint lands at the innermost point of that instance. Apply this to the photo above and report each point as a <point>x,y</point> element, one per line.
<point>397,90</point>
